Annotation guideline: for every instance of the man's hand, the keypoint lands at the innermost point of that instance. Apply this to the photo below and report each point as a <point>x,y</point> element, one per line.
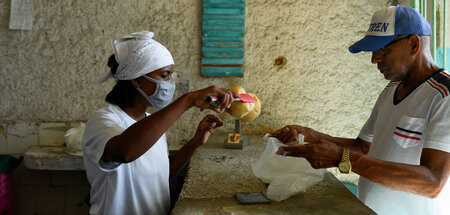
<point>319,155</point>
<point>289,134</point>
<point>205,128</point>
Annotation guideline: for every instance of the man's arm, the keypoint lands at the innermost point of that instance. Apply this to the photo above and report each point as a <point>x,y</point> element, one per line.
<point>355,145</point>
<point>426,179</point>
<point>289,133</point>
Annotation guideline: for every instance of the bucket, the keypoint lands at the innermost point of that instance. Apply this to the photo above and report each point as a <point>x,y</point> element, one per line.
<point>6,203</point>
<point>7,164</point>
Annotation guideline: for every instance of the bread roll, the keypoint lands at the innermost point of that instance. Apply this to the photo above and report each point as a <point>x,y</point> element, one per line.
<point>255,112</point>
<point>239,109</point>
<point>246,112</point>
<point>237,90</point>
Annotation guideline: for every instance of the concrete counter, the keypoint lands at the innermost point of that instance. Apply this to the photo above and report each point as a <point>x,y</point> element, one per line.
<point>216,174</point>
<point>52,158</point>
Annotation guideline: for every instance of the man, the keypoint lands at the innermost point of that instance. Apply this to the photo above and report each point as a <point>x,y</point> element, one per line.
<point>402,152</point>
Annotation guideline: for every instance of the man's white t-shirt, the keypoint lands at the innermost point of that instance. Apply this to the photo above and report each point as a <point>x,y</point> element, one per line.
<point>399,131</point>
<point>138,187</point>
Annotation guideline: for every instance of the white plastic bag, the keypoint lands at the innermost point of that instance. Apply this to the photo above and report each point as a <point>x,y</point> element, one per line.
<point>287,175</point>
<point>73,139</point>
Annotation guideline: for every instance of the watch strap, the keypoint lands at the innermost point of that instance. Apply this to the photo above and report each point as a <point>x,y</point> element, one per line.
<point>345,155</point>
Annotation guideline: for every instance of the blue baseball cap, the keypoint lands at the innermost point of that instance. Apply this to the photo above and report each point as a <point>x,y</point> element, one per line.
<point>388,23</point>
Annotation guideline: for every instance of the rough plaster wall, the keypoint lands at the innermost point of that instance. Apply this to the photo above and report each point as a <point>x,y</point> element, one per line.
<point>48,74</point>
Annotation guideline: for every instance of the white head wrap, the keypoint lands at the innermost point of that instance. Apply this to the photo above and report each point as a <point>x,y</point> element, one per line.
<point>137,55</point>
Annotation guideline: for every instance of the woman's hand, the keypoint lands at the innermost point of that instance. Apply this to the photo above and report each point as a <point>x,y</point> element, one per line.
<point>205,128</point>
<point>289,134</point>
<point>225,98</point>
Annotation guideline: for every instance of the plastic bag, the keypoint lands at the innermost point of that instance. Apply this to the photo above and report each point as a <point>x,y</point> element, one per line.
<point>287,175</point>
<point>73,139</point>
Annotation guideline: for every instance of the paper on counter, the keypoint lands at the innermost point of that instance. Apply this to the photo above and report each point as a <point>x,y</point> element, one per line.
<point>21,15</point>
<point>300,140</point>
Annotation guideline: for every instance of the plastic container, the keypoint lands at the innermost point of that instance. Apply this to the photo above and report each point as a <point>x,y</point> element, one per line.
<point>7,164</point>
<point>6,203</point>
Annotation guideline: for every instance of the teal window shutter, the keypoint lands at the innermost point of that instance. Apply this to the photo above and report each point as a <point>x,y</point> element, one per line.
<point>439,53</point>
<point>223,37</point>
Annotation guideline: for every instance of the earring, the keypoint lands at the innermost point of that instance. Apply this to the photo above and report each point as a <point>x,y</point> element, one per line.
<point>138,83</point>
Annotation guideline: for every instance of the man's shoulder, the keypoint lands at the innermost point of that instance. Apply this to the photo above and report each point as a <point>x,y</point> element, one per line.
<point>440,81</point>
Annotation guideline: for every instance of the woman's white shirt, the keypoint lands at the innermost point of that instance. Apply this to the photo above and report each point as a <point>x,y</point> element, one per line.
<point>138,187</point>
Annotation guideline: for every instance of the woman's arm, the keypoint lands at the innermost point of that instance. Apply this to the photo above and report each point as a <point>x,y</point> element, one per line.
<point>179,159</point>
<point>142,135</point>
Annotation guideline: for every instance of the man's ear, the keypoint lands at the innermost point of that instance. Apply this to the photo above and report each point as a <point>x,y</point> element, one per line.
<point>415,43</point>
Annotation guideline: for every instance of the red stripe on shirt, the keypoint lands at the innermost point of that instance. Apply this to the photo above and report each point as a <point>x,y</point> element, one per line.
<point>393,83</point>
<point>408,137</point>
<point>440,86</point>
<point>444,72</point>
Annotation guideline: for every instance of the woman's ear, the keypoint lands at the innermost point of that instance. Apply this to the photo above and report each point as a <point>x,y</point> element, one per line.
<point>136,82</point>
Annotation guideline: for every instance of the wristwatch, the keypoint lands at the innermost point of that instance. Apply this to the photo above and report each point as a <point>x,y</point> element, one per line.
<point>344,165</point>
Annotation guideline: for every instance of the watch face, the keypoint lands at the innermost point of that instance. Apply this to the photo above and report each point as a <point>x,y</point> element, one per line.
<point>344,167</point>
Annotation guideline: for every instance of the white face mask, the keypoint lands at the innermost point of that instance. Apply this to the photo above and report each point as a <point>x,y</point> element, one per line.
<point>163,93</point>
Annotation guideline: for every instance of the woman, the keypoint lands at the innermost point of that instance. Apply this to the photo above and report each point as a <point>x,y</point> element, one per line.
<point>125,149</point>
